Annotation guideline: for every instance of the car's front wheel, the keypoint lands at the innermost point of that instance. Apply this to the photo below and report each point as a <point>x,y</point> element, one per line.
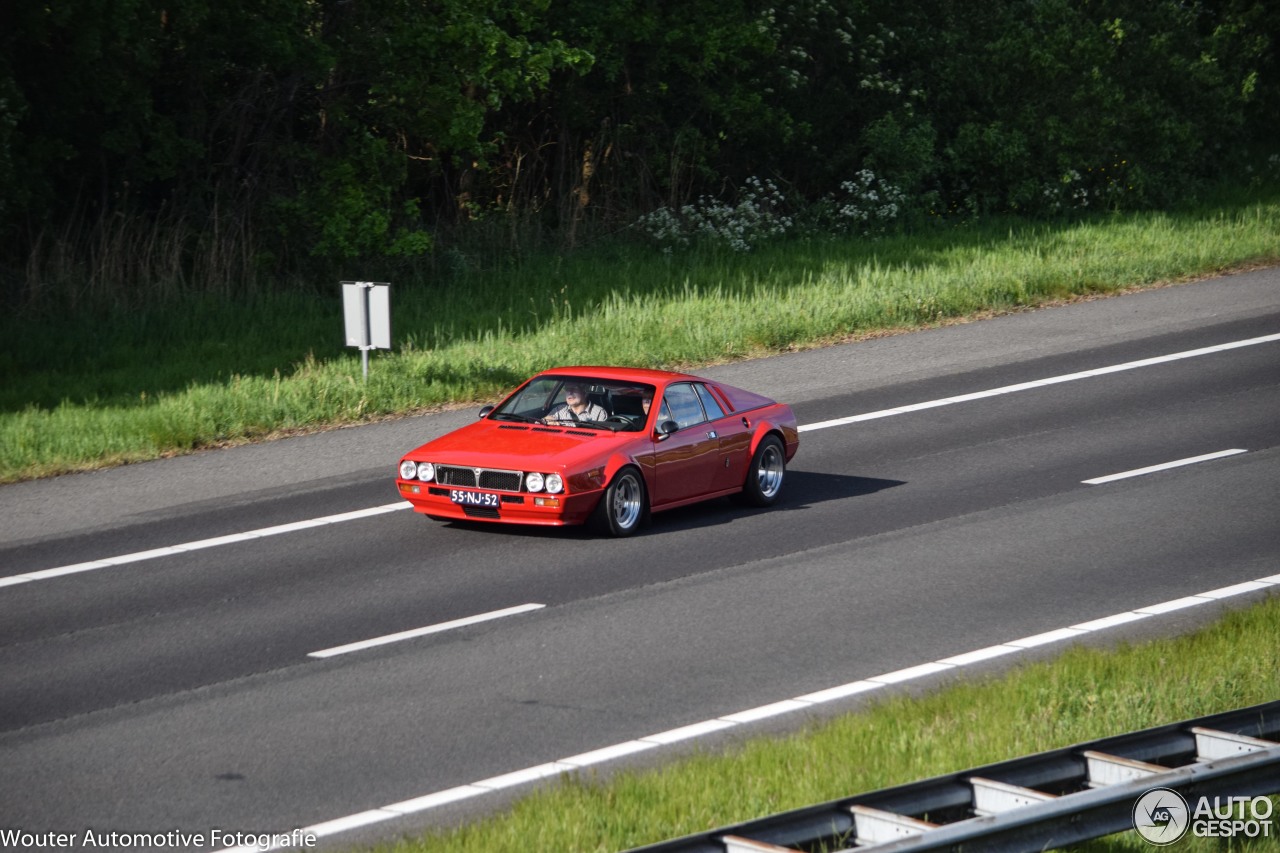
<point>622,508</point>
<point>767,471</point>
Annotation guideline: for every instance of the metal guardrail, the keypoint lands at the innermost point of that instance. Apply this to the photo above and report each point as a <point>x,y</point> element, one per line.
<point>1033,803</point>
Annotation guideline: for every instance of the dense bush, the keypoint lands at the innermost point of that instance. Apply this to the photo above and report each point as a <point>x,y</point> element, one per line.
<point>148,147</point>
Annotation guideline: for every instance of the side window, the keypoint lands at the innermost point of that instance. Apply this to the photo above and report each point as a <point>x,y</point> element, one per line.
<point>713,410</point>
<point>682,402</point>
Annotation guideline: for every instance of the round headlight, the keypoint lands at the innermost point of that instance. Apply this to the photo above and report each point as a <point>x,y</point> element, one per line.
<point>555,484</point>
<point>408,469</point>
<point>533,482</point>
<point>426,472</point>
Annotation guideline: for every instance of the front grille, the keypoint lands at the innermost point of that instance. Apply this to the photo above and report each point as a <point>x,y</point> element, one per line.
<point>479,478</point>
<point>481,512</point>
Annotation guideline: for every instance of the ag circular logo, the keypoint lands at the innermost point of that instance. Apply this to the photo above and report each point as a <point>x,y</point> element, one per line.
<point>1161,816</point>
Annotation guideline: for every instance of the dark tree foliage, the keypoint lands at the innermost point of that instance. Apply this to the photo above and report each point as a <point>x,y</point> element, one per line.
<point>149,146</point>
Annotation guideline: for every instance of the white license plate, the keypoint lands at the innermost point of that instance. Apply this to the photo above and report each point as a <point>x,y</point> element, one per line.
<point>459,496</point>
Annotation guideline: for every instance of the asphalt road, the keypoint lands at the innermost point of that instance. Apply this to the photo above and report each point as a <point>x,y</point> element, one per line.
<point>179,691</point>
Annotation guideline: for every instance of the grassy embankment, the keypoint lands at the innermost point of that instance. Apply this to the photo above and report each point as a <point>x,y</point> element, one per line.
<point>87,389</point>
<point>1082,695</point>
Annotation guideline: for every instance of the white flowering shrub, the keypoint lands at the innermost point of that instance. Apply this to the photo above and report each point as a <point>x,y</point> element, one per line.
<point>1267,173</point>
<point>1069,192</point>
<point>758,216</point>
<point>1098,188</point>
<point>867,204</point>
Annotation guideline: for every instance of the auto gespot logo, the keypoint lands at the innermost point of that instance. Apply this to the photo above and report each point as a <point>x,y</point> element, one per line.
<point>1162,817</point>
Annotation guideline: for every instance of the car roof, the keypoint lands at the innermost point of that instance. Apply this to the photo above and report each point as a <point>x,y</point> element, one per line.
<point>622,374</point>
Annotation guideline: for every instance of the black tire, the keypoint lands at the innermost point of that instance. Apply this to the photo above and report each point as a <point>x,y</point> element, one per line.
<point>624,505</point>
<point>764,477</point>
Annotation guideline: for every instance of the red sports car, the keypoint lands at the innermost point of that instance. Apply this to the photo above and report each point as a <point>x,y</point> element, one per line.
<point>608,444</point>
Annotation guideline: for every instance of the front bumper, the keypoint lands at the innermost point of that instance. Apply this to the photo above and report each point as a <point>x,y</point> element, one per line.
<point>513,507</point>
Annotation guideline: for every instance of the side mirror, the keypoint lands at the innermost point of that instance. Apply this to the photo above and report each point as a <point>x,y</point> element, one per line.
<point>667,427</point>
<point>486,410</point>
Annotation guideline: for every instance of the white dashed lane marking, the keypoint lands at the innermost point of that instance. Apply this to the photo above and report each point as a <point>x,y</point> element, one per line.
<point>1151,469</point>
<point>422,632</point>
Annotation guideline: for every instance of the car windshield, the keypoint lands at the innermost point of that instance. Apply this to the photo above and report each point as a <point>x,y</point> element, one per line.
<point>578,401</point>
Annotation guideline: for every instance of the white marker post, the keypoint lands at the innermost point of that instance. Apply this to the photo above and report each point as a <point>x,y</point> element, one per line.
<point>366,307</point>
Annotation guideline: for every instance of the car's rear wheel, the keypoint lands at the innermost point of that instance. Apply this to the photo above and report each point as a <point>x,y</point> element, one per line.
<point>622,508</point>
<point>768,470</point>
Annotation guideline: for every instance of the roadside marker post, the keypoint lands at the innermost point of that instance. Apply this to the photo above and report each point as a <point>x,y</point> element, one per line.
<point>366,309</point>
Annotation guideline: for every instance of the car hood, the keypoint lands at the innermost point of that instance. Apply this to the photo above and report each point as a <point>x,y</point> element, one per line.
<point>521,447</point>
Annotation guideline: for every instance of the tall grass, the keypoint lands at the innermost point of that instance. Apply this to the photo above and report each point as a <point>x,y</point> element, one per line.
<point>1083,695</point>
<point>85,389</point>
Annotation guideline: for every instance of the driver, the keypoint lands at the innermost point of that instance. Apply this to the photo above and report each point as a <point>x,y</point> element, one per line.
<point>576,407</point>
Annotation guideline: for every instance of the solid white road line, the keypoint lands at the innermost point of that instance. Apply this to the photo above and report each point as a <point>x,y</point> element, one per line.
<point>1041,383</point>
<point>1151,469</point>
<point>422,632</point>
<point>901,410</point>
<point>774,709</point>
<point>293,527</point>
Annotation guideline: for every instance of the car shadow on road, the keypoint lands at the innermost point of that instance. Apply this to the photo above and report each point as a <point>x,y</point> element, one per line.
<point>802,490</point>
<point>809,487</point>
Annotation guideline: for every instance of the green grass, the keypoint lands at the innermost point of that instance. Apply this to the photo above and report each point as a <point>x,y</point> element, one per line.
<point>83,389</point>
<point>1082,695</point>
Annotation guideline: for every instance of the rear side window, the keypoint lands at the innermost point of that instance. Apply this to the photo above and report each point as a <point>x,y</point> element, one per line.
<point>682,402</point>
<point>709,403</point>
